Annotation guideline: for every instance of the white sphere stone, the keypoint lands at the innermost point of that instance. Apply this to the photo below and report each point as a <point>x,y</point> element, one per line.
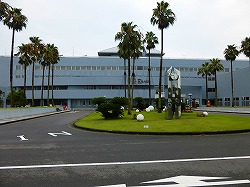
<point>147,110</point>
<point>140,117</point>
<point>205,113</point>
<point>151,107</point>
<point>137,110</point>
<point>163,109</point>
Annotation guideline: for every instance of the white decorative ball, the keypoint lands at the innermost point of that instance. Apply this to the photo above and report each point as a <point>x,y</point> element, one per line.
<point>147,110</point>
<point>137,110</point>
<point>205,113</point>
<point>151,107</point>
<point>140,117</point>
<point>163,109</point>
<point>122,107</point>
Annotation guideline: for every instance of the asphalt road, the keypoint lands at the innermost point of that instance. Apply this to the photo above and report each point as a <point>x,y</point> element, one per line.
<point>48,151</point>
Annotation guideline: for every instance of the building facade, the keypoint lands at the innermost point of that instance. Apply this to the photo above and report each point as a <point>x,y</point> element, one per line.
<point>79,79</point>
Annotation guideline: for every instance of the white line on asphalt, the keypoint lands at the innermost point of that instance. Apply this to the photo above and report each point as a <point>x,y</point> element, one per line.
<point>123,163</point>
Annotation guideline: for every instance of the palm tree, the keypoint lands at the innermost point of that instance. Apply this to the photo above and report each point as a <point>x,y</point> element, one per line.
<point>54,60</point>
<point>36,56</point>
<point>127,37</point>
<point>24,59</point>
<point>230,54</point>
<point>245,48</point>
<point>122,54</point>
<point>214,66</point>
<point>4,10</point>
<point>150,40</point>
<point>205,72</point>
<point>136,53</point>
<point>162,16</point>
<point>16,21</point>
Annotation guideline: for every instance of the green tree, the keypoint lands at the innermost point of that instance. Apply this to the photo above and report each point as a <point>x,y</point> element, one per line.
<point>54,60</point>
<point>128,38</point>
<point>4,10</point>
<point>1,99</point>
<point>36,57</point>
<point>230,54</point>
<point>162,16</point>
<point>16,21</point>
<point>245,48</point>
<point>122,54</point>
<point>136,53</point>
<point>150,41</point>
<point>25,60</point>
<point>214,66</point>
<point>205,72</point>
<point>19,98</point>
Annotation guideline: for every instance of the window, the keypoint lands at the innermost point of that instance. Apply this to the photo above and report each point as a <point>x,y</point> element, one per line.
<point>139,67</point>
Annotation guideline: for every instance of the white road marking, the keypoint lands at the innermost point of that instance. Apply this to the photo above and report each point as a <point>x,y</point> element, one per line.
<point>61,133</point>
<point>22,138</point>
<point>124,163</point>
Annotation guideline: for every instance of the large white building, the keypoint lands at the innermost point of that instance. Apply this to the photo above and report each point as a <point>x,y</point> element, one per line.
<point>79,79</point>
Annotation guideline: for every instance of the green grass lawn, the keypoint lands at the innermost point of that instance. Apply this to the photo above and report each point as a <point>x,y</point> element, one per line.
<point>156,123</point>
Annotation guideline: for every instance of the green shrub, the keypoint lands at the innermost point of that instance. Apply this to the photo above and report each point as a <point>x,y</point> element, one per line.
<point>139,103</point>
<point>98,100</point>
<point>19,98</point>
<point>110,110</point>
<point>122,101</point>
<point>200,114</point>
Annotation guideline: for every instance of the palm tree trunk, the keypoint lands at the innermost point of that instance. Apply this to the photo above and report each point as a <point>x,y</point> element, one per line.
<point>149,81</point>
<point>206,90</point>
<point>24,81</point>
<point>42,102</point>
<point>133,82</point>
<point>48,86</point>
<point>33,80</point>
<point>232,83</point>
<point>129,96</point>
<point>125,89</point>
<point>216,93</point>
<point>160,77</point>
<point>52,85</point>
<point>11,69</point>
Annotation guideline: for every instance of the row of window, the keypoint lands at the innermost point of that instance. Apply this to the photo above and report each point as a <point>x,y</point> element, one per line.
<point>111,68</point>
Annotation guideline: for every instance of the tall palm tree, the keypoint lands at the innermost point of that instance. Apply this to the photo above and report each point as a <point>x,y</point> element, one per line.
<point>245,48</point>
<point>162,16</point>
<point>4,10</point>
<point>150,40</point>
<point>36,56</point>
<point>136,53</point>
<point>25,60</point>
<point>127,37</point>
<point>205,72</point>
<point>54,60</point>
<point>122,54</point>
<point>214,66</point>
<point>16,21</point>
<point>230,54</point>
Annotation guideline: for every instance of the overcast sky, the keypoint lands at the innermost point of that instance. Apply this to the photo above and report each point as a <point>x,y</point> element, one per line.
<point>203,28</point>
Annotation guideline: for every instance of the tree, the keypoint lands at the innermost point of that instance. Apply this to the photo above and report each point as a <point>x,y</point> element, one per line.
<point>54,60</point>
<point>214,66</point>
<point>4,10</point>
<point>162,16</point>
<point>19,98</point>
<point>150,40</point>
<point>25,60</point>
<point>36,56</point>
<point>1,99</point>
<point>205,72</point>
<point>230,54</point>
<point>122,54</point>
<point>16,21</point>
<point>245,48</point>
<point>127,37</point>
<point>136,53</point>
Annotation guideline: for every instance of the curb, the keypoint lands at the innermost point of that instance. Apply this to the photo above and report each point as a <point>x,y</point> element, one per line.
<point>164,133</point>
